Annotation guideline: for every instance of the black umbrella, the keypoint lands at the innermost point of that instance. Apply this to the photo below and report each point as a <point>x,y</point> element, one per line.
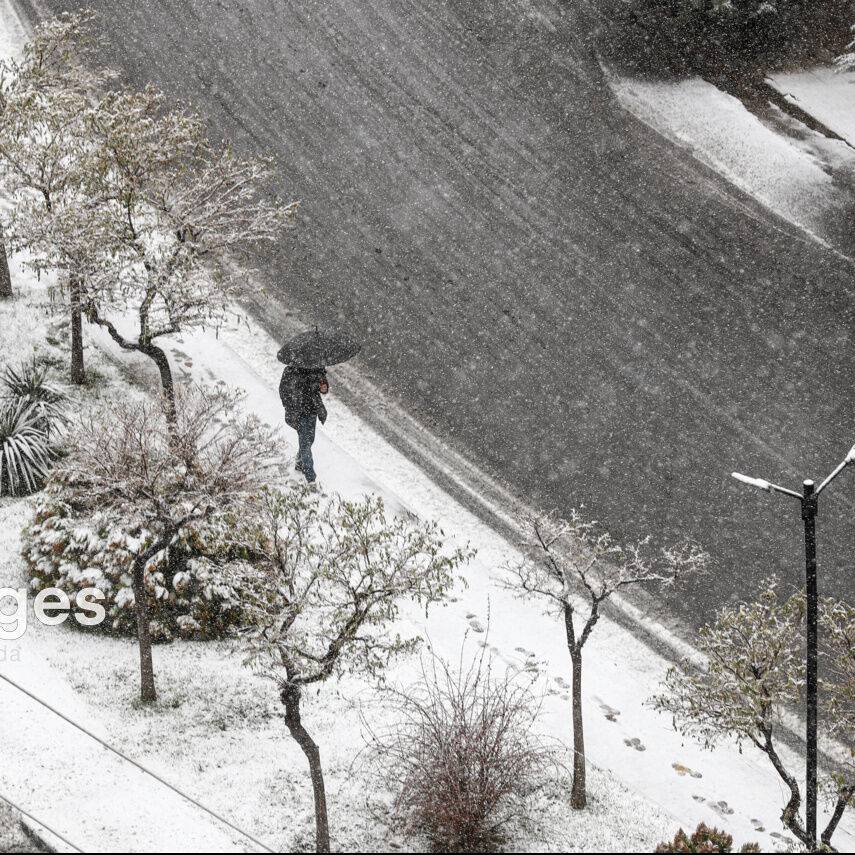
<point>316,349</point>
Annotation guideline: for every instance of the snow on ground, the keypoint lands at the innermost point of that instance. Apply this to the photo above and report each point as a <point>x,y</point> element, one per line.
<point>797,173</point>
<point>825,92</point>
<point>217,729</point>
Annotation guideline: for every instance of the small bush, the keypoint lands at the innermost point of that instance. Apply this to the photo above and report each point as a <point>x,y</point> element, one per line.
<point>462,757</point>
<point>26,453</point>
<point>71,546</point>
<point>704,839</point>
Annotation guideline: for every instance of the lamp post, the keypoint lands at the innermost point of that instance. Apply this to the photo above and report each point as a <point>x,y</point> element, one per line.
<point>808,499</point>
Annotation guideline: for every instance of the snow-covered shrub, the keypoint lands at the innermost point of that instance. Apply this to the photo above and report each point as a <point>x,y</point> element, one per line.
<point>26,452</point>
<point>462,756</point>
<point>704,839</point>
<point>729,35</point>
<point>142,503</point>
<point>71,546</point>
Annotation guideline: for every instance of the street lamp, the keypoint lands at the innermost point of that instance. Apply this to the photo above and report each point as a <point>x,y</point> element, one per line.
<point>808,499</point>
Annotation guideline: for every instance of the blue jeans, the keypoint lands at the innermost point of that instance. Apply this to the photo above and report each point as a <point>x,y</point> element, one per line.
<point>306,435</point>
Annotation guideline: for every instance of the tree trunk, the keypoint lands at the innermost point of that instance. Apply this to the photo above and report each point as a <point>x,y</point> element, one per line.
<point>153,352</point>
<point>148,694</point>
<point>843,798</point>
<point>291,700</point>
<point>578,796</point>
<point>5,276</point>
<point>790,814</point>
<point>78,375</point>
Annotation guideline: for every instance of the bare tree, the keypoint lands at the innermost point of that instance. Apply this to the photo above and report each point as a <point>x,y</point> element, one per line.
<point>172,215</point>
<point>159,475</point>
<point>755,670</point>
<point>575,570</point>
<point>44,101</point>
<point>323,588</point>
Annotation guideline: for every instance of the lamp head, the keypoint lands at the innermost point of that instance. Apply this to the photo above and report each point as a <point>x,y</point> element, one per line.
<point>759,483</point>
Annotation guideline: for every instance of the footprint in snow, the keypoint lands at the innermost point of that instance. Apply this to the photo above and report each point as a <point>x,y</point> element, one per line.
<point>635,743</point>
<point>722,807</point>
<point>609,712</point>
<point>470,615</point>
<point>758,825</point>
<point>476,625</point>
<point>560,681</point>
<point>682,770</point>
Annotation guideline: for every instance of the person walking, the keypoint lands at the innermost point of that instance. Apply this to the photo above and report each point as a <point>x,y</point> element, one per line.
<point>300,391</point>
<point>304,380</point>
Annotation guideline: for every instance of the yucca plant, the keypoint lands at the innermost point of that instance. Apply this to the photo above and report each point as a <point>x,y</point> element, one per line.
<point>26,453</point>
<point>28,382</point>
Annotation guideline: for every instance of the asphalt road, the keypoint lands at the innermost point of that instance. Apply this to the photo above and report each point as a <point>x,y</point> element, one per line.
<point>577,305</point>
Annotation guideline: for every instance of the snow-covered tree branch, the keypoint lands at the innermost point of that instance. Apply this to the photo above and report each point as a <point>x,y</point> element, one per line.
<point>44,102</point>
<point>174,218</point>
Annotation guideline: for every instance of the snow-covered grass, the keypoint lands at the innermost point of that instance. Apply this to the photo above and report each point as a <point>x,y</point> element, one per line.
<point>802,176</point>
<point>825,92</point>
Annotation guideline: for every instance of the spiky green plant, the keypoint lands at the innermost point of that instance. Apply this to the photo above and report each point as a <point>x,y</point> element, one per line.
<point>26,453</point>
<point>28,382</point>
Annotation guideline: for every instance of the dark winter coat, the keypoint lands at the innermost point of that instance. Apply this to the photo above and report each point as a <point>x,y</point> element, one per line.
<point>299,391</point>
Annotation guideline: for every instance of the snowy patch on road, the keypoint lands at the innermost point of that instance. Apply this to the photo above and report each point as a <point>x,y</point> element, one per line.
<point>825,92</point>
<point>797,175</point>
